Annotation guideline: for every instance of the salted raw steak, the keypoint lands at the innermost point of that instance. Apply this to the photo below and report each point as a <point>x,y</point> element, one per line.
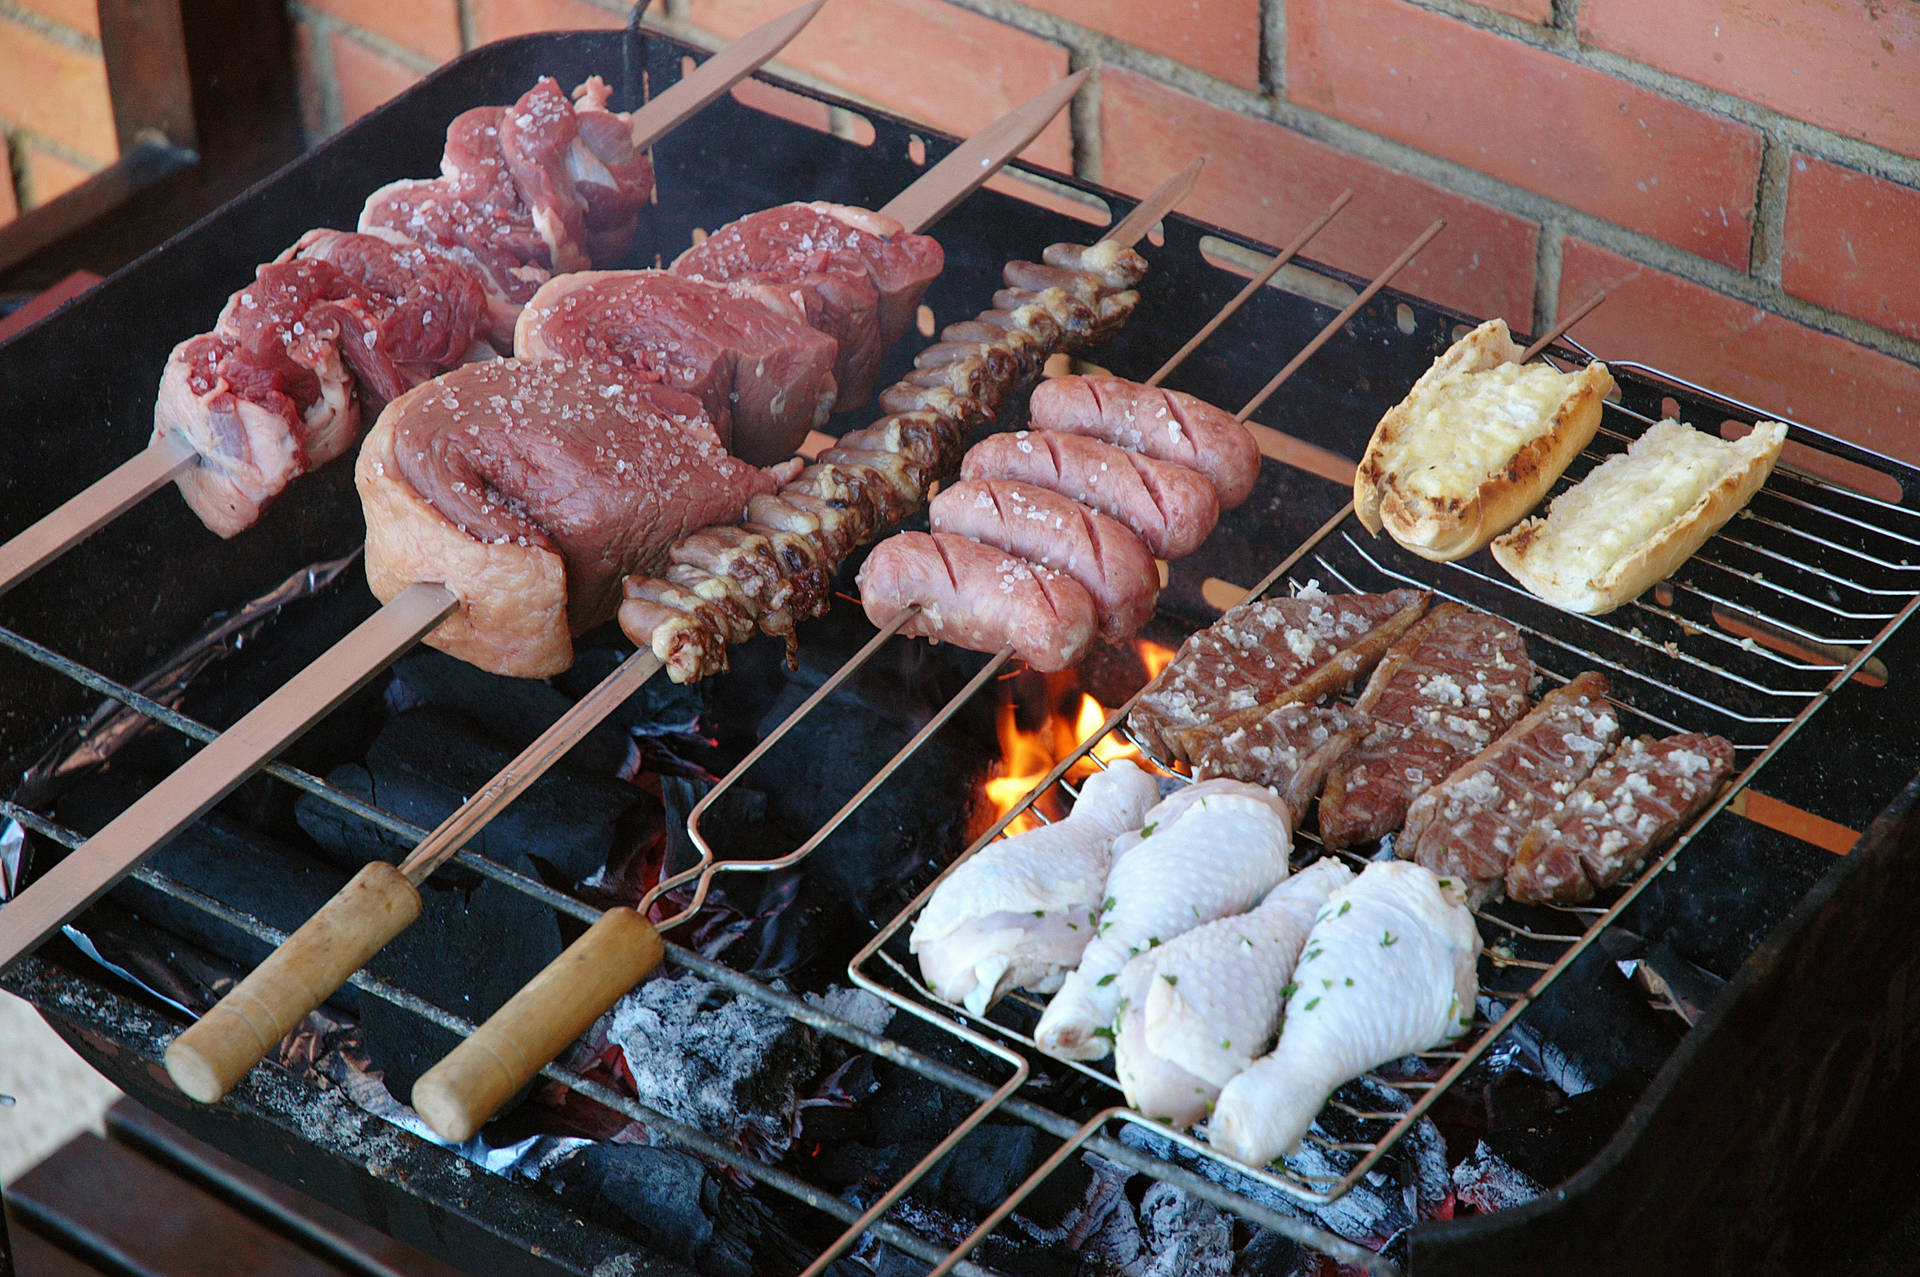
<point>530,490</point>
<point>270,393</point>
<point>1469,826</point>
<point>857,276</point>
<point>764,377</point>
<point>1452,683</point>
<point>1633,802</point>
<point>1264,654</point>
<point>543,186</point>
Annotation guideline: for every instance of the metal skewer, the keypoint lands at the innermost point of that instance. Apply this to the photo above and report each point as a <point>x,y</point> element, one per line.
<point>170,456</point>
<point>382,900</point>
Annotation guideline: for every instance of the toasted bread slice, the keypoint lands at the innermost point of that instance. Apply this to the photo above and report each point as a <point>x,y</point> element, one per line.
<point>1638,516</point>
<point>1474,445</point>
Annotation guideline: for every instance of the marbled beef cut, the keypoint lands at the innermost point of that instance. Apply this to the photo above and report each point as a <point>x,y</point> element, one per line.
<point>1452,683</point>
<point>1290,751</point>
<point>1633,802</point>
<point>1263,654</point>
<point>1469,826</point>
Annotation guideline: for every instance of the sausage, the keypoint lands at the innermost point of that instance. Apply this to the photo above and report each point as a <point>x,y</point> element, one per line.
<point>1058,532</point>
<point>1159,423</point>
<point>978,597</point>
<point>1168,506</point>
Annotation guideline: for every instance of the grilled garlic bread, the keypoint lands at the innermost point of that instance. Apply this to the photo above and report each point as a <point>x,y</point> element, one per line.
<point>1474,445</point>
<point>1638,516</point>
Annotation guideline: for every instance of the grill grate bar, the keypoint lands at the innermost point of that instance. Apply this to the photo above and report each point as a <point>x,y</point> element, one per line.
<point>1755,580</point>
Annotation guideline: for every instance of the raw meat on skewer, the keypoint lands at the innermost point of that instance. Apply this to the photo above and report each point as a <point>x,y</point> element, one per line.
<point>530,491</point>
<point>764,376</point>
<point>855,274</point>
<point>270,392</point>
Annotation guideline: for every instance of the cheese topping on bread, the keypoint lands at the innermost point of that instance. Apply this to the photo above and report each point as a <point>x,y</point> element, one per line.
<point>1471,425</point>
<point>1638,516</point>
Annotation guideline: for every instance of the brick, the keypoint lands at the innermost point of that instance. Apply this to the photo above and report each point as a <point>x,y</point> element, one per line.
<point>498,19</point>
<point>1532,10</point>
<point>919,58</point>
<point>1850,244</point>
<point>59,92</point>
<point>1269,182</point>
<point>430,28</point>
<point>1220,37</point>
<point>46,176</point>
<point>1529,117</point>
<point>367,77</point>
<point>80,15</point>
<point>1852,67</point>
<point>1807,376</point>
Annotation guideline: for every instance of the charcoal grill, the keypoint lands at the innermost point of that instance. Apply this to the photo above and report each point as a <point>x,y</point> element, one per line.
<point>1787,635</point>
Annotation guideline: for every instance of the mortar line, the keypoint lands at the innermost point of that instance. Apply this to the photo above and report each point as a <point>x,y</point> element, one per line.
<point>1770,211</point>
<point>1548,258</point>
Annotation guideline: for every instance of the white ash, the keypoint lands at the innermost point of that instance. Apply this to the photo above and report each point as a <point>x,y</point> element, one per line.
<point>729,1066</point>
<point>1383,1203</point>
<point>1171,1235</point>
<point>1486,1182</point>
<point>857,1007</point>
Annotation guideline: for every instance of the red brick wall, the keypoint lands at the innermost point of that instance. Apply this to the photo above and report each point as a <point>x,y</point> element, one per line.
<point>56,122</point>
<point>1744,175</point>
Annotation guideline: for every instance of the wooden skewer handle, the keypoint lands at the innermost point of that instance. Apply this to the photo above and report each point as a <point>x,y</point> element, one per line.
<point>458,1095</point>
<point>214,1054</point>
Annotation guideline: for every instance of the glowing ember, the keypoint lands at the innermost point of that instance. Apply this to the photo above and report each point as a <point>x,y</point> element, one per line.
<point>1071,718</point>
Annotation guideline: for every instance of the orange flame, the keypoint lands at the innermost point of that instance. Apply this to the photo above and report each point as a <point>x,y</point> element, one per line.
<point>1072,717</point>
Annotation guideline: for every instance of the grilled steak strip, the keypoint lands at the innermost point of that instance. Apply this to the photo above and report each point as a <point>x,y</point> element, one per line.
<point>1291,750</point>
<point>1469,826</point>
<point>1452,683</point>
<point>1263,654</point>
<point>781,562</point>
<point>1633,802</point>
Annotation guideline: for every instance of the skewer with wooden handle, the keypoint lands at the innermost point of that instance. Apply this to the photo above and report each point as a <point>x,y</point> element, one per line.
<point>459,1094</point>
<point>168,457</point>
<point>382,900</point>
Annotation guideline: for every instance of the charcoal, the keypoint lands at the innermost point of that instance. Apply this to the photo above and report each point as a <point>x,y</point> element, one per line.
<point>1182,1235</point>
<point>1548,1146</point>
<point>671,1203</point>
<point>1592,1025</point>
<point>423,765</point>
<point>246,870</point>
<point>912,1113</point>
<point>730,1066</point>
<point>512,710</point>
